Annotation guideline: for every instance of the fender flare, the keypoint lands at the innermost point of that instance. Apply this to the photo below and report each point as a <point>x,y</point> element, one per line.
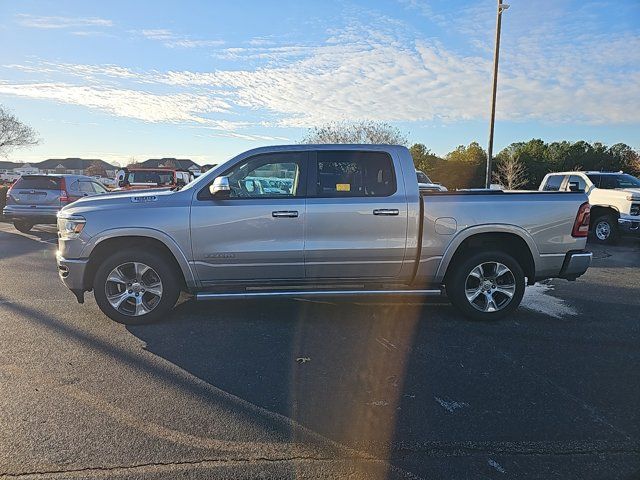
<point>466,233</point>
<point>182,260</point>
<point>610,207</point>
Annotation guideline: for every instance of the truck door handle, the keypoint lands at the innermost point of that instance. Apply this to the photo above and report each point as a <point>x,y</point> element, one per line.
<point>386,211</point>
<point>285,213</point>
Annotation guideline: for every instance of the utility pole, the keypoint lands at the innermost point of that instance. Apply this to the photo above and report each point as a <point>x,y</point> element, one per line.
<point>501,8</point>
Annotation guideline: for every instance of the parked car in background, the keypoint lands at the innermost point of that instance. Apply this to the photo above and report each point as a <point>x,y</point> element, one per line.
<point>110,183</point>
<point>345,220</point>
<point>425,183</point>
<point>36,199</point>
<point>614,199</point>
<point>9,177</point>
<point>146,178</point>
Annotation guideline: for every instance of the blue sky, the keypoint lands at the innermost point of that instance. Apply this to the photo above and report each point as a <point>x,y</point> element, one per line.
<point>206,80</point>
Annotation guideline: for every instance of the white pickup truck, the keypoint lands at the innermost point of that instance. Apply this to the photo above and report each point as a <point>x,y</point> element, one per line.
<point>614,198</point>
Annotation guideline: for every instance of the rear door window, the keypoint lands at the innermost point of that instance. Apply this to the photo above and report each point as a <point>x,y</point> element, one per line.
<point>38,183</point>
<point>86,187</point>
<point>553,184</point>
<point>354,174</point>
<point>576,184</point>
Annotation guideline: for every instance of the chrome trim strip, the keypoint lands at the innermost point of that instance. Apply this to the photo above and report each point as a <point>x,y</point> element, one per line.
<point>314,293</point>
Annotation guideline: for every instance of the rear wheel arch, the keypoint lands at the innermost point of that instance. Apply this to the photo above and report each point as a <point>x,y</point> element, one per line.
<point>107,247</point>
<point>509,243</point>
<point>598,211</point>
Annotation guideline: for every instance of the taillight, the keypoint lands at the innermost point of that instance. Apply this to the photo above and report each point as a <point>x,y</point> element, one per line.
<point>64,196</point>
<point>581,225</point>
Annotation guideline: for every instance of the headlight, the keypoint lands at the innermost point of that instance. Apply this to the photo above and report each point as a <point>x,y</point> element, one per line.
<point>70,227</point>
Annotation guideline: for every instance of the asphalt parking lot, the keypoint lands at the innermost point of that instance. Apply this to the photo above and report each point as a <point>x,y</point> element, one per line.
<point>322,389</point>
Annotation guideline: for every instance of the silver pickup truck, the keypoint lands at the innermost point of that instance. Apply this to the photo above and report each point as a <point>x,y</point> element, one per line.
<point>318,220</point>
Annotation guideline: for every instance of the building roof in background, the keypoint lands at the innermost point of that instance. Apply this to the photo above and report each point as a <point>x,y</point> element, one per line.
<point>9,165</point>
<point>183,164</point>
<point>72,163</point>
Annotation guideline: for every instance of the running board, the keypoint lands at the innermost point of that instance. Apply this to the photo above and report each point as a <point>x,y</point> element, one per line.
<point>314,293</point>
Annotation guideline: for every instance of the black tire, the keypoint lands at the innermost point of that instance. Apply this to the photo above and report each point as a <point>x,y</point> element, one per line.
<point>457,284</point>
<point>22,226</point>
<point>602,225</point>
<point>160,266</point>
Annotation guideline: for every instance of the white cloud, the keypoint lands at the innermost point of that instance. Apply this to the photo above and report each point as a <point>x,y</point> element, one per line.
<point>171,108</point>
<point>173,40</point>
<point>380,72</point>
<point>424,8</point>
<point>34,21</point>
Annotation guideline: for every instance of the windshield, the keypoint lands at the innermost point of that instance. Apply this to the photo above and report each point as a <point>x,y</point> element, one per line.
<point>38,183</point>
<point>159,178</point>
<point>611,182</point>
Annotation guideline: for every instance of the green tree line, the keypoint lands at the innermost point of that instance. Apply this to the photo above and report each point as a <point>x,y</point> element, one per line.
<point>522,164</point>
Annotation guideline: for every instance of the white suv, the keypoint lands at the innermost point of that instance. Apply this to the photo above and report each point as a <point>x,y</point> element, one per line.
<point>614,199</point>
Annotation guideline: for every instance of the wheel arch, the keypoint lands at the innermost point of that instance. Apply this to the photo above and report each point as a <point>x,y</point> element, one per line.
<point>598,211</point>
<point>511,240</point>
<point>148,239</point>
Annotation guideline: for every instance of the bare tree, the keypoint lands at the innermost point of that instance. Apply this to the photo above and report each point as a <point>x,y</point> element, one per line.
<point>510,173</point>
<point>132,163</point>
<point>96,169</point>
<point>14,133</point>
<point>169,164</point>
<point>356,132</point>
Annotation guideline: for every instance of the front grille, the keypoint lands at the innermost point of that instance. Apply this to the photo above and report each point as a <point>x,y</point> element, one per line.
<point>635,209</point>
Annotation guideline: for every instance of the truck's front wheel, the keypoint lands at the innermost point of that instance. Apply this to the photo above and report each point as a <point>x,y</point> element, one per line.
<point>135,287</point>
<point>605,229</point>
<point>486,285</point>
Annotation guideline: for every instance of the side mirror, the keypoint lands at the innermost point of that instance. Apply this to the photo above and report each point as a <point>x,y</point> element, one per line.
<point>220,187</point>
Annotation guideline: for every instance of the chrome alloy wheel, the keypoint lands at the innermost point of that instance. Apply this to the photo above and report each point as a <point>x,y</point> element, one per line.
<point>603,230</point>
<point>490,286</point>
<point>133,288</point>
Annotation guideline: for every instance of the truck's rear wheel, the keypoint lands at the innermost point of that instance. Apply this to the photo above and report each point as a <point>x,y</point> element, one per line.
<point>22,226</point>
<point>136,287</point>
<point>486,285</point>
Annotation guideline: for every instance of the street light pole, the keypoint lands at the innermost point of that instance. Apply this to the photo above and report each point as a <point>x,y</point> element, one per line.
<point>501,8</point>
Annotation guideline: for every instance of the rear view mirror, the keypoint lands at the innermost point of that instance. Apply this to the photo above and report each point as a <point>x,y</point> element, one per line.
<point>220,187</point>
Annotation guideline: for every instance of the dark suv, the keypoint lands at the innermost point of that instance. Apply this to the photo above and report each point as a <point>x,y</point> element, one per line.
<point>37,198</point>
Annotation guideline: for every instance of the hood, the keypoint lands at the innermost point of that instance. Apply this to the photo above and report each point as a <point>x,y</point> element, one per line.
<point>125,199</point>
<point>634,191</point>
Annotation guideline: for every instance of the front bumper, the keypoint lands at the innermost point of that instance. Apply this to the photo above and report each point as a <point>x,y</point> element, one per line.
<point>71,272</point>
<point>575,264</point>
<point>628,226</point>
